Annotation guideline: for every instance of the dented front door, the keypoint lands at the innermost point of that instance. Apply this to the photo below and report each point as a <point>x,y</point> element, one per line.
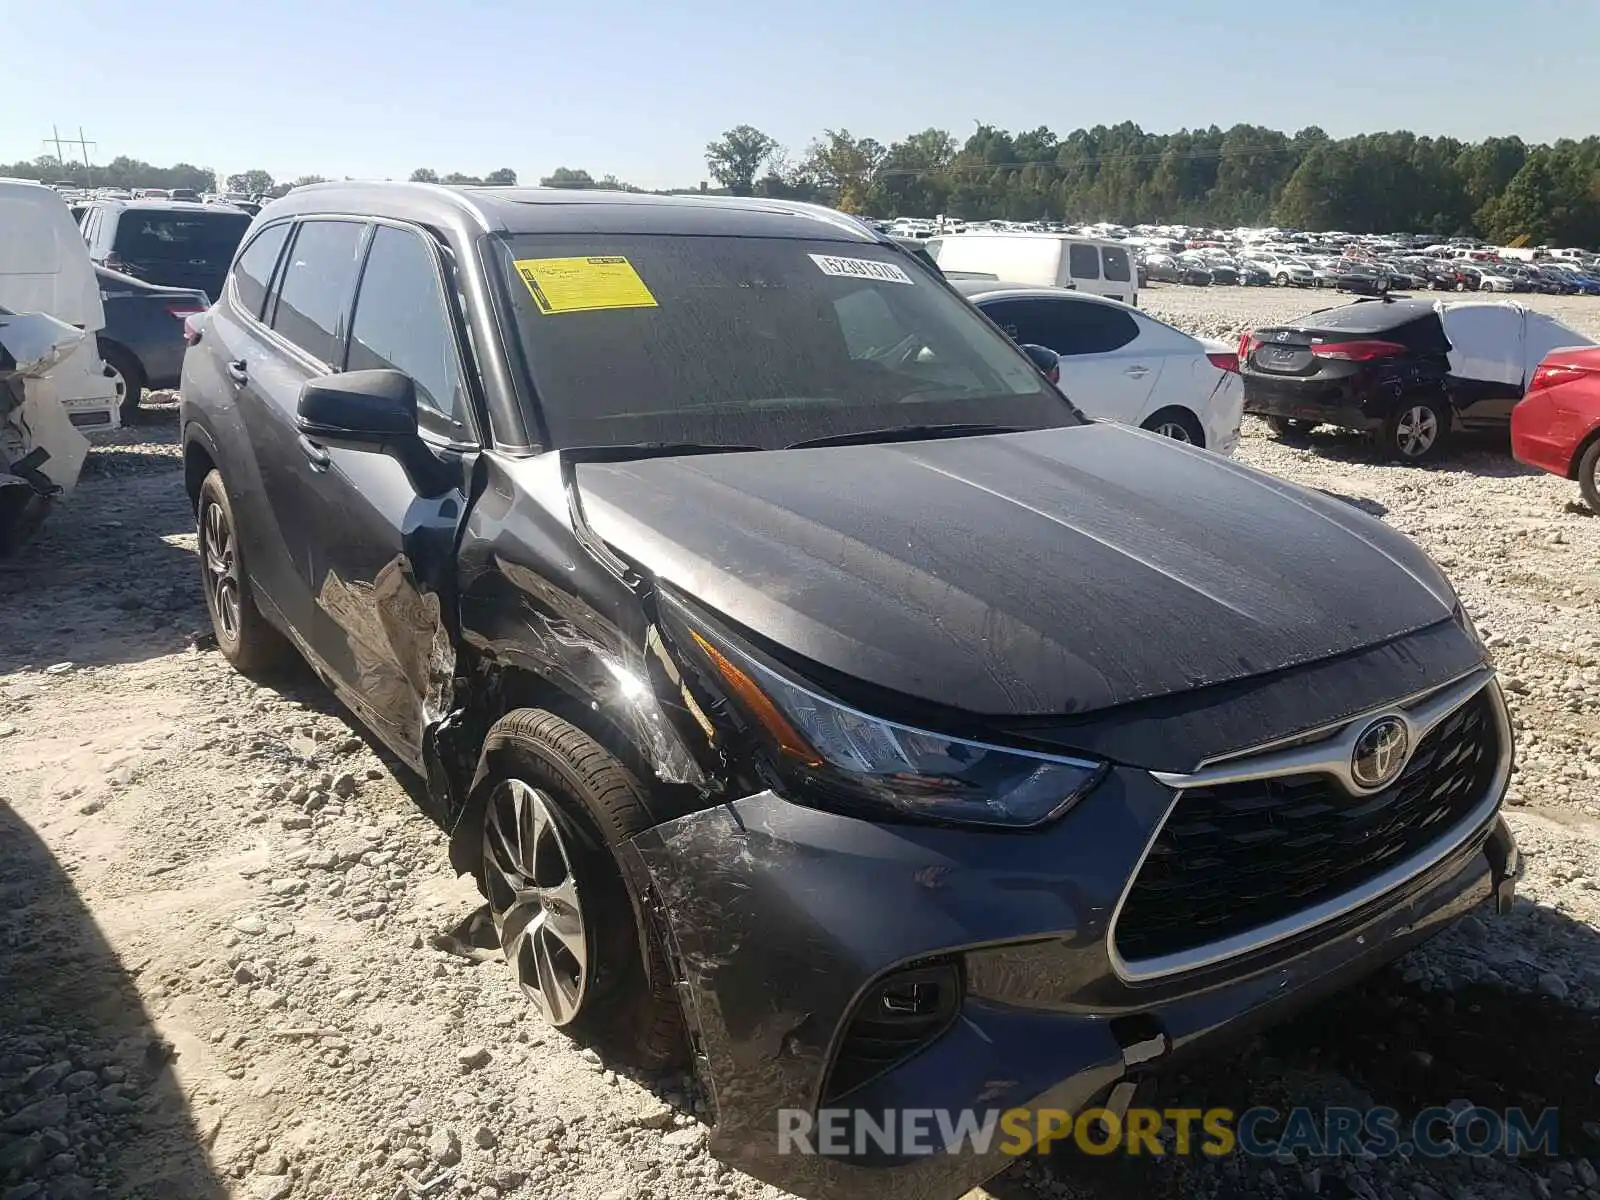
<point>381,561</point>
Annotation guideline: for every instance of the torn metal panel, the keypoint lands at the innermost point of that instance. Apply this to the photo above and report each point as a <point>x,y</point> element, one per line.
<point>536,601</point>
<point>41,453</point>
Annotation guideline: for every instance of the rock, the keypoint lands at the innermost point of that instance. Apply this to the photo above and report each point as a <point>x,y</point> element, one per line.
<point>1472,929</point>
<point>655,1116</point>
<point>286,887</point>
<point>79,1080</point>
<point>21,1155</point>
<point>273,1164</point>
<point>295,821</point>
<point>617,1194</point>
<point>685,1138</point>
<point>1586,1172</point>
<point>297,794</point>
<point>471,1058</point>
<point>483,1137</point>
<point>444,1147</point>
<point>350,849</point>
<point>344,784</point>
<point>321,860</point>
<point>60,668</point>
<point>246,972</point>
<point>1551,984</point>
<point>7,729</point>
<point>269,1187</point>
<point>509,1180</point>
<point>42,1079</point>
<point>250,924</point>
<point>266,998</point>
<point>52,1110</point>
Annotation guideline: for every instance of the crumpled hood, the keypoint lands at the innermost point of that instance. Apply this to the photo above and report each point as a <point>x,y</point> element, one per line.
<point>1051,572</point>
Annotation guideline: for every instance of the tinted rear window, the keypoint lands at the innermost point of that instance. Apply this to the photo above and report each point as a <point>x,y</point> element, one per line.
<point>180,236</point>
<point>1083,261</point>
<point>1374,317</point>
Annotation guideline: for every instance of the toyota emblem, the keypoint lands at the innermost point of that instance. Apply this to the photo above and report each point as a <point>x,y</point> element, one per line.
<point>1380,753</point>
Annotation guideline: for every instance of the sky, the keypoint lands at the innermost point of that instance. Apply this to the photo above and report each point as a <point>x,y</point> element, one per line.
<point>636,88</point>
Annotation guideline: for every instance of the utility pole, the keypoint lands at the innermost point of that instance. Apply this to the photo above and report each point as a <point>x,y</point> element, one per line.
<point>80,142</point>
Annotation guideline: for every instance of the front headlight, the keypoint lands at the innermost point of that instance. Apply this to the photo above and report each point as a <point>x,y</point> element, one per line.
<point>837,757</point>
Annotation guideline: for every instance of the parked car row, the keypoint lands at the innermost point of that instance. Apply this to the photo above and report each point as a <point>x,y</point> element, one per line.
<point>1412,372</point>
<point>818,698</point>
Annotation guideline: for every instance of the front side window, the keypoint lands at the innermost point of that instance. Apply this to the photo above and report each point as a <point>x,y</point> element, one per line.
<point>401,323</point>
<point>252,274</point>
<point>634,338</point>
<point>316,285</point>
<point>1068,327</point>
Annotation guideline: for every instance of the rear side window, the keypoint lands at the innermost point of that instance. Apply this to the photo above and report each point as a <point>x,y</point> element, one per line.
<point>1068,327</point>
<point>401,322</point>
<point>252,274</point>
<point>1118,269</point>
<point>1083,261</point>
<point>317,283</point>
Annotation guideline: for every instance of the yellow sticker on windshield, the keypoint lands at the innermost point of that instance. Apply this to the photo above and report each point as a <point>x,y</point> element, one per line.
<point>565,285</point>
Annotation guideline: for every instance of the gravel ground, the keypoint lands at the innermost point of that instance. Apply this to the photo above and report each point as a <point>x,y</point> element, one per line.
<point>219,907</point>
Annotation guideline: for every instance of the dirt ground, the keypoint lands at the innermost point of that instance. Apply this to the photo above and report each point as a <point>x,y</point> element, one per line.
<point>218,901</point>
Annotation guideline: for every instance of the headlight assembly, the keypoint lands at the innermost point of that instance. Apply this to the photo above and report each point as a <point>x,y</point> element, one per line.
<point>834,756</point>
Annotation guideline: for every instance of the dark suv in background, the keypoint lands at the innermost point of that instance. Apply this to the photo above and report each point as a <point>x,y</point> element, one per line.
<point>816,696</point>
<point>172,243</point>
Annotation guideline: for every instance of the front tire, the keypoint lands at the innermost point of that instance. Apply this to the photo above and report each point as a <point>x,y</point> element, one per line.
<point>1417,430</point>
<point>1589,476</point>
<point>555,804</point>
<point>1283,280</point>
<point>245,637</point>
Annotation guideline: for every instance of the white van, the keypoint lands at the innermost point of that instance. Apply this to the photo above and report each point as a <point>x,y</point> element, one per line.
<point>45,268</point>
<point>1092,265</point>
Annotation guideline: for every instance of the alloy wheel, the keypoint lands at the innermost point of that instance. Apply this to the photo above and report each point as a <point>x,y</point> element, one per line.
<point>1416,431</point>
<point>1173,430</point>
<point>222,568</point>
<point>534,898</point>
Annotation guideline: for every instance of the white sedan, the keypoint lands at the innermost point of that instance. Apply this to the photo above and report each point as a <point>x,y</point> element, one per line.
<point>1120,364</point>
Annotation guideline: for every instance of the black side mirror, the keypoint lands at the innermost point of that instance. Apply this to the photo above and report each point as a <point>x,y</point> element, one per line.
<point>1046,359</point>
<point>375,412</point>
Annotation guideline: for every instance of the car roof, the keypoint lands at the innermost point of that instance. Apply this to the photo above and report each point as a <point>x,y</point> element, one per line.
<point>573,210</point>
<point>157,202</point>
<point>989,289</point>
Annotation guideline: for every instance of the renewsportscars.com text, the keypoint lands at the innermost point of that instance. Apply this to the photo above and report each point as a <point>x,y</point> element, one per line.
<point>1214,1132</point>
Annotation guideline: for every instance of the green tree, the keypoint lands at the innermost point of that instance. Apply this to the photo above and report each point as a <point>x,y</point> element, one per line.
<point>504,177</point>
<point>566,177</point>
<point>248,183</point>
<point>424,175</point>
<point>845,168</point>
<point>736,158</point>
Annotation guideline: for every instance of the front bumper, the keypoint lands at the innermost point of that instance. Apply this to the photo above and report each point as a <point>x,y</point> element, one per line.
<point>779,918</point>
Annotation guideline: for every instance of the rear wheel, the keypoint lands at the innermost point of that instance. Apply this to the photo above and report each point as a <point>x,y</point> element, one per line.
<point>244,636</point>
<point>555,804</point>
<point>1589,476</point>
<point>1179,424</point>
<point>1417,430</point>
<point>1283,279</point>
<point>126,375</point>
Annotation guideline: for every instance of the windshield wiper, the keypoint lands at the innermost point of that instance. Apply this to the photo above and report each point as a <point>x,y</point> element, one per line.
<point>906,433</point>
<point>651,450</point>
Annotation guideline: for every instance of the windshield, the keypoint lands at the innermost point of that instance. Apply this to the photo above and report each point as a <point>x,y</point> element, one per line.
<point>186,236</point>
<point>650,338</point>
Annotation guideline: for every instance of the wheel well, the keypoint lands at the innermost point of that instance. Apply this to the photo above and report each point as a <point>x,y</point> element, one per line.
<point>1580,450</point>
<point>128,355</point>
<point>197,464</point>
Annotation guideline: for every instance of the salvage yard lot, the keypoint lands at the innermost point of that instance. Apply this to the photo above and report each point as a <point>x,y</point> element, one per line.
<point>218,903</point>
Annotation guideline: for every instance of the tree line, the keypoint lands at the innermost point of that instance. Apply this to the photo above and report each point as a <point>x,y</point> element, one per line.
<point>1501,188</point>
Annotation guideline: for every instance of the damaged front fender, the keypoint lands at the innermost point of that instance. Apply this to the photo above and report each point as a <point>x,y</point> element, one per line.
<point>41,454</point>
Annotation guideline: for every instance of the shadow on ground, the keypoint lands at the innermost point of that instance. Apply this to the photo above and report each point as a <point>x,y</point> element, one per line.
<point>89,1107</point>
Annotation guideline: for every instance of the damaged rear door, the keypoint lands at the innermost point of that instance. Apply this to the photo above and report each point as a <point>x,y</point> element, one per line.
<point>382,558</point>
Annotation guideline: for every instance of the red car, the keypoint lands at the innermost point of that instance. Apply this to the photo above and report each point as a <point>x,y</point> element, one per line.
<point>1556,427</point>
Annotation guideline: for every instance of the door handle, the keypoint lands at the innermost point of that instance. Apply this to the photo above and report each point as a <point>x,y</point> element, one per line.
<point>315,454</point>
<point>1137,372</point>
<point>237,371</point>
